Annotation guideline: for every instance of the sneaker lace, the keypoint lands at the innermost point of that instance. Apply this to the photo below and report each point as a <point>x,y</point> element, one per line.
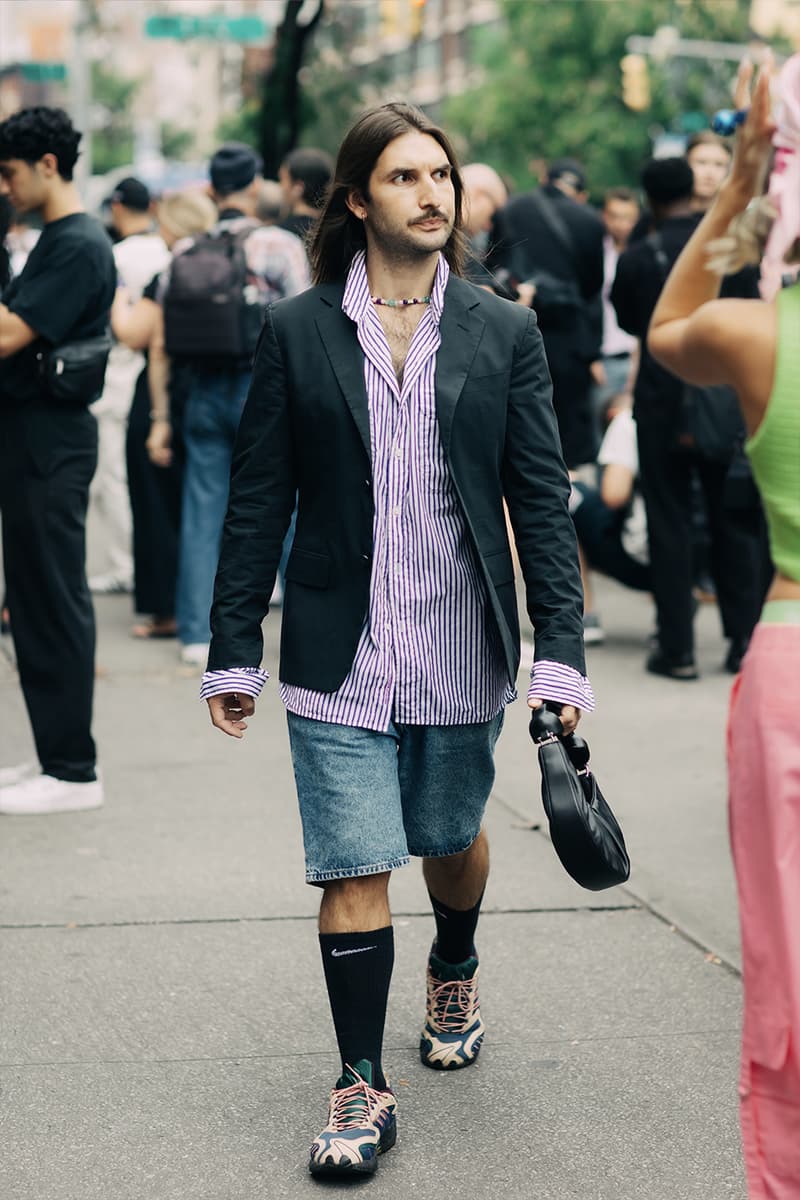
<point>451,1003</point>
<point>351,1107</point>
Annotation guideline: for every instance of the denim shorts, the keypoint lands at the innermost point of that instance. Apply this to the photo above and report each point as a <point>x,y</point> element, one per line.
<point>369,801</point>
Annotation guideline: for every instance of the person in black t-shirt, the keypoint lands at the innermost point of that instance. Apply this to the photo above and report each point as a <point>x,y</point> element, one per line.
<point>304,176</point>
<point>48,454</point>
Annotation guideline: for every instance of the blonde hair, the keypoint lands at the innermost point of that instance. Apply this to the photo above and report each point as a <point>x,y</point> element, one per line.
<point>744,241</point>
<point>185,214</point>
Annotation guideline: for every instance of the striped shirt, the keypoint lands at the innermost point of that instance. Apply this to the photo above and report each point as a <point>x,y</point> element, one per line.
<point>428,654</point>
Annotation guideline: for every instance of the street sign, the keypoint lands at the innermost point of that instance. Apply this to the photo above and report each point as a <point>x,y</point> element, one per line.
<point>214,26</point>
<point>43,72</point>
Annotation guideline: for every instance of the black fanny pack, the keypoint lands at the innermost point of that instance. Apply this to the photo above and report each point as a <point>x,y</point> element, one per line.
<point>74,372</point>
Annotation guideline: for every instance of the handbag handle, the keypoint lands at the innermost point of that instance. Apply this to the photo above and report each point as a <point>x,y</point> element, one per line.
<point>545,726</point>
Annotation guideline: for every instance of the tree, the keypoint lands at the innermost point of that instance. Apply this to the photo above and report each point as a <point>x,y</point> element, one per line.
<point>112,133</point>
<point>333,95</point>
<point>280,117</point>
<point>553,84</point>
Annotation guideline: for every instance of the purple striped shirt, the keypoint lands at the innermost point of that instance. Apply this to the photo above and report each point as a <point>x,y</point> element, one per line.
<point>428,653</point>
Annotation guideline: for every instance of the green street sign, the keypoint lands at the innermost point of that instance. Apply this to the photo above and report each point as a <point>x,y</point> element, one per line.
<point>215,26</point>
<point>43,72</point>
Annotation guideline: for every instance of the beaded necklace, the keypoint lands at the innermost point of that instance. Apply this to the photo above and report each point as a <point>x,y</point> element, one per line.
<point>401,303</point>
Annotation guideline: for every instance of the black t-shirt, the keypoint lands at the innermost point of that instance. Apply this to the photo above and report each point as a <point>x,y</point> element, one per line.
<point>300,224</point>
<point>64,293</point>
<point>635,293</point>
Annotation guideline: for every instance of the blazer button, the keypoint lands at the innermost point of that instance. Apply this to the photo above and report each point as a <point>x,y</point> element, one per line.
<point>367,483</point>
<point>366,557</point>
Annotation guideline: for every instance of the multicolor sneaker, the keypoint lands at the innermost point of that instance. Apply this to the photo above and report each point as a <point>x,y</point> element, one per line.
<point>361,1125</point>
<point>453,1030</point>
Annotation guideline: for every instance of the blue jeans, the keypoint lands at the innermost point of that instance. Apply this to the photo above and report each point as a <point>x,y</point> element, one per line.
<point>370,800</point>
<point>213,409</point>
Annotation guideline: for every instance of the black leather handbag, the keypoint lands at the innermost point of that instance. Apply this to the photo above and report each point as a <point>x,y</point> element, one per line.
<point>584,831</point>
<point>74,372</point>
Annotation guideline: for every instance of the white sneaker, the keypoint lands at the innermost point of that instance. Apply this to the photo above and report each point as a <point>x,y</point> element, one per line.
<point>110,585</point>
<point>195,654</point>
<point>11,775</point>
<point>46,794</point>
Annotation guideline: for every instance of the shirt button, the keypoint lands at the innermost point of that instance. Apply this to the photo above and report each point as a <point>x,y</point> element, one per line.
<point>398,453</point>
<point>396,510</point>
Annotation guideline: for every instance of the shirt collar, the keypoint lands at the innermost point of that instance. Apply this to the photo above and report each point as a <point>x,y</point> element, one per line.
<point>357,301</point>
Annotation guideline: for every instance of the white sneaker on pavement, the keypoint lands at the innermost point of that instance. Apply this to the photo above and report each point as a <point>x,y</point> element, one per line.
<point>46,794</point>
<point>11,775</point>
<point>195,654</point>
<point>110,585</point>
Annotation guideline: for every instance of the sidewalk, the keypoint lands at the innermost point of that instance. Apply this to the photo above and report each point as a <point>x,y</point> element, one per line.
<point>166,1034</point>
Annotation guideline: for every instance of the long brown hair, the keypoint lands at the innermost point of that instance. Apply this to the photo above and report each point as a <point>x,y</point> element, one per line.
<point>339,235</point>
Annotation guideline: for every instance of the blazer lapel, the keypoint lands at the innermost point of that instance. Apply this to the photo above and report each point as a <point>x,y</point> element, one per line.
<point>461,329</point>
<point>339,338</point>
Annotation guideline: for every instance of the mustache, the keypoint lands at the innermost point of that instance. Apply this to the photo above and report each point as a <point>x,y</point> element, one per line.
<point>433,215</point>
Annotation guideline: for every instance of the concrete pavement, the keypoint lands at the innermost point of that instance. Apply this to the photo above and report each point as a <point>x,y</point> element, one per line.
<point>165,1034</point>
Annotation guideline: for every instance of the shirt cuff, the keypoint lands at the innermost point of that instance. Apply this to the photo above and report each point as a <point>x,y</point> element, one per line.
<point>561,684</point>
<point>249,680</point>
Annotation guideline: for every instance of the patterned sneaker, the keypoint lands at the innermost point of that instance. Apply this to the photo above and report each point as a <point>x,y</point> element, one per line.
<point>361,1125</point>
<point>453,1030</point>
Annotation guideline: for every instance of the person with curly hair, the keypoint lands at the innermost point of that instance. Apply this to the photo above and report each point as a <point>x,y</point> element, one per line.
<point>48,455</point>
<point>753,345</point>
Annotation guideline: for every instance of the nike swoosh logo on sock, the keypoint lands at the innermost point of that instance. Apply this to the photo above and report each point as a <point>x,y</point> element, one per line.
<point>356,950</point>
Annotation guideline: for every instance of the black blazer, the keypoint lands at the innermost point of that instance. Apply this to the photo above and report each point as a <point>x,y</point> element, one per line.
<point>305,430</point>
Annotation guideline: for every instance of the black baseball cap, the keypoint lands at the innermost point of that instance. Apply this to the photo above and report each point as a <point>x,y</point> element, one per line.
<point>569,171</point>
<point>131,193</point>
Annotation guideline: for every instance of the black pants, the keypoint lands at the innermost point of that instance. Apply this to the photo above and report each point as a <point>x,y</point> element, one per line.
<point>666,482</point>
<point>599,529</point>
<point>156,507</point>
<point>48,456</point>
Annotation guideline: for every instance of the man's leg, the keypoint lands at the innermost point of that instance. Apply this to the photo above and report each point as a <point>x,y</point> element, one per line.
<point>352,818</point>
<point>205,497</point>
<point>453,1031</point>
<point>357,945</point>
<point>456,885</point>
<point>44,517</point>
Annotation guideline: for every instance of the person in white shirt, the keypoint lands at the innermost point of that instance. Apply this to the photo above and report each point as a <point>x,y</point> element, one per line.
<point>614,373</point>
<point>139,255</point>
<point>610,520</point>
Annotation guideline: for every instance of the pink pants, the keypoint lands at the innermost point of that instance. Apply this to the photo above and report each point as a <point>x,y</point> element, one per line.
<point>764,774</point>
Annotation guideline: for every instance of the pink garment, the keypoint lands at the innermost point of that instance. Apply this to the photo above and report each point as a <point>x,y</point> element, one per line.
<point>784,182</point>
<point>764,775</point>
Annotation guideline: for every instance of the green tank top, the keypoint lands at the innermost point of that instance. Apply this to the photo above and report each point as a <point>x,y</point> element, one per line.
<point>774,449</point>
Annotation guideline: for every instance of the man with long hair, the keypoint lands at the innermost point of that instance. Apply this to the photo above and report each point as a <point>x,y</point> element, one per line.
<point>402,405</point>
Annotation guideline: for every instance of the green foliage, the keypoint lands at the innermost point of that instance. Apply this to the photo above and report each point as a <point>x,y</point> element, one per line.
<point>552,84</point>
<point>242,126</point>
<point>333,95</point>
<point>112,142</point>
<point>176,142</point>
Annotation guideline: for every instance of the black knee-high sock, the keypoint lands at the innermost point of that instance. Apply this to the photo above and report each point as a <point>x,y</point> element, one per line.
<point>455,930</point>
<point>358,969</point>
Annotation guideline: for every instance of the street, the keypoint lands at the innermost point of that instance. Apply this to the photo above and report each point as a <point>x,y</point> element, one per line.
<point>166,1034</point>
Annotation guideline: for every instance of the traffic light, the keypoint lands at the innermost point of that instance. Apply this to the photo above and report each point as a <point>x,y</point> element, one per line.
<point>635,82</point>
<point>417,17</point>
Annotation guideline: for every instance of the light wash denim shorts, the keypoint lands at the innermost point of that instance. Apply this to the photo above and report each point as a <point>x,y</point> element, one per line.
<point>369,801</point>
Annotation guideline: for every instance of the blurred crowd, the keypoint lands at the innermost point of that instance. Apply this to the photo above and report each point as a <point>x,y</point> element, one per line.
<point>656,506</point>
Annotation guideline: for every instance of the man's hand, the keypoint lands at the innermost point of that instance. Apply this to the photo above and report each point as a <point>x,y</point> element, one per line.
<point>227,712</point>
<point>569,715</point>
<point>159,443</point>
<point>597,371</point>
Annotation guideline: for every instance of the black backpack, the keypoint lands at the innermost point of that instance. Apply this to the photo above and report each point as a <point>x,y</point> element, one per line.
<point>213,308</point>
